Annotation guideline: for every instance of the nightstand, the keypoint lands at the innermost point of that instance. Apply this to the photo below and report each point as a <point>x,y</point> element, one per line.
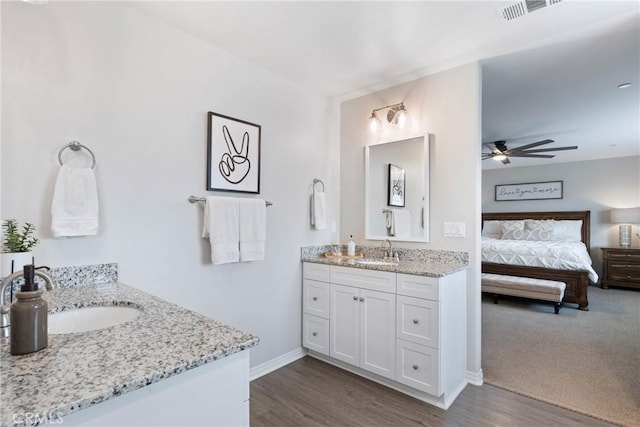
<point>620,268</point>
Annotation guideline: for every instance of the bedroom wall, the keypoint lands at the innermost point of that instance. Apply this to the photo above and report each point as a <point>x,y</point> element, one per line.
<point>137,92</point>
<point>596,185</point>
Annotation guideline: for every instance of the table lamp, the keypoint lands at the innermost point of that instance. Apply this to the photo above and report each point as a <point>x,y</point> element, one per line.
<point>625,217</point>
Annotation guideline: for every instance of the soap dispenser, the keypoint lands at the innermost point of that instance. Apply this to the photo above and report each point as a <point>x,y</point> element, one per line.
<point>351,247</point>
<point>28,316</point>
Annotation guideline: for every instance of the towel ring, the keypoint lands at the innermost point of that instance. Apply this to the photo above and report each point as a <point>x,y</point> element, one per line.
<point>316,181</point>
<point>76,146</point>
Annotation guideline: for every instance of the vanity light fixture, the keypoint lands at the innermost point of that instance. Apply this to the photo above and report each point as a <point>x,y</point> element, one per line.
<point>397,116</point>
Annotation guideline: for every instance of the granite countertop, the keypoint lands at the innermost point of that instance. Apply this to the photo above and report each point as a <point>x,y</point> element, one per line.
<point>78,370</point>
<point>422,267</point>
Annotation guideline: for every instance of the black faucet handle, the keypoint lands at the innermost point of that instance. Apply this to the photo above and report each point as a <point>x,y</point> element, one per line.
<point>43,267</point>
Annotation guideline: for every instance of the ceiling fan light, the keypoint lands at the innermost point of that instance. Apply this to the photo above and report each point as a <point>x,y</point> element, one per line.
<point>499,157</point>
<point>375,125</point>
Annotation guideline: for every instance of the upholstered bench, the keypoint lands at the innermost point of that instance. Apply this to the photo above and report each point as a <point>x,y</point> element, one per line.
<point>525,287</point>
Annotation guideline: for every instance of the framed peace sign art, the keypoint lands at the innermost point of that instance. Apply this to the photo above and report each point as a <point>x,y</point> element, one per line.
<point>233,155</point>
<point>396,186</point>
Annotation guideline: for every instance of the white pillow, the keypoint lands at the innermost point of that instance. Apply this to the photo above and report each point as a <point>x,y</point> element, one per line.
<point>491,229</point>
<point>508,227</point>
<point>567,231</point>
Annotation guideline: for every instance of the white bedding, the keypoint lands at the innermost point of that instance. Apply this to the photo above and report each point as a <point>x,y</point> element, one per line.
<point>558,255</point>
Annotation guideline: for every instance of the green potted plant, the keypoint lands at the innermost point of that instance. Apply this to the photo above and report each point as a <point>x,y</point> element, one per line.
<point>17,243</point>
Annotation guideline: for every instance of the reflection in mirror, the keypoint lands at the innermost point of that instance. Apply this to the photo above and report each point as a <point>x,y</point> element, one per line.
<point>397,190</point>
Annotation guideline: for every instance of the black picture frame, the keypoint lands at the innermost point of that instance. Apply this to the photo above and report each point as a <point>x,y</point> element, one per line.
<point>233,154</point>
<point>396,186</point>
<point>546,190</point>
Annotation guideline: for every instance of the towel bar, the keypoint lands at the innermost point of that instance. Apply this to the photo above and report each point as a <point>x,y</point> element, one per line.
<point>194,199</point>
<point>75,146</point>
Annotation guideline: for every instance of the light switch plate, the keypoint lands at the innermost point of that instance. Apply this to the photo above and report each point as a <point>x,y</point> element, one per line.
<point>454,229</point>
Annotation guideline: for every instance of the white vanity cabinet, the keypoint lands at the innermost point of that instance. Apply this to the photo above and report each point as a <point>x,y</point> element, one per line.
<point>408,330</point>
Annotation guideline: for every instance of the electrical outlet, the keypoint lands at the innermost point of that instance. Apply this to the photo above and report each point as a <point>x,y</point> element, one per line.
<point>454,229</point>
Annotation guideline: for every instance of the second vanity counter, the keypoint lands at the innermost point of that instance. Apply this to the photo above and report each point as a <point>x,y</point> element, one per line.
<point>78,370</point>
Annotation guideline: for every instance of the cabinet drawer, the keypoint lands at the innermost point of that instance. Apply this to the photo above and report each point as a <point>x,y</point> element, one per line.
<point>315,298</point>
<point>382,281</point>
<point>620,256</point>
<point>313,271</point>
<point>624,272</point>
<point>418,286</point>
<point>417,367</point>
<point>315,333</point>
<point>418,321</point>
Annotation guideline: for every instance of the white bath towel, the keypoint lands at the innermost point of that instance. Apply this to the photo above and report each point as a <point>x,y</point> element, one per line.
<point>74,208</point>
<point>401,223</point>
<point>319,210</point>
<point>222,227</point>
<point>253,223</point>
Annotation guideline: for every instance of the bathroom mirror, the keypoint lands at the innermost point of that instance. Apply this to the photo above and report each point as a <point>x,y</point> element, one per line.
<point>397,170</point>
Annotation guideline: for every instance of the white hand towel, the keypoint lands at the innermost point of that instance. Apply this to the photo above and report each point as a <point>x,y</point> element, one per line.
<point>222,227</point>
<point>401,222</point>
<point>388,222</point>
<point>319,210</point>
<point>253,224</point>
<point>74,208</point>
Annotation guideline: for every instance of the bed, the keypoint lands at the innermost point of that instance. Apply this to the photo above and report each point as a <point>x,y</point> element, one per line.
<point>573,270</point>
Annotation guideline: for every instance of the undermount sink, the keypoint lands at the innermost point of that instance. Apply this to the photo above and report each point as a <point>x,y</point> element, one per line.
<point>91,318</point>
<point>372,261</point>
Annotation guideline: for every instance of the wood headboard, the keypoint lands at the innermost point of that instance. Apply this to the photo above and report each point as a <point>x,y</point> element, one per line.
<point>584,216</point>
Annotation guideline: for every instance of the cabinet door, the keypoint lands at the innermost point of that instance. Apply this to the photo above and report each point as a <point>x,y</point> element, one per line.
<point>378,332</point>
<point>345,324</point>
<point>315,333</point>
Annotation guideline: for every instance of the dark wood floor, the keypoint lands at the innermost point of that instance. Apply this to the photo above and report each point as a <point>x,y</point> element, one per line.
<point>309,392</point>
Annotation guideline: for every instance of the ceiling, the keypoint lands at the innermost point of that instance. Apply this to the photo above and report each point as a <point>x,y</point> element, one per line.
<point>549,74</point>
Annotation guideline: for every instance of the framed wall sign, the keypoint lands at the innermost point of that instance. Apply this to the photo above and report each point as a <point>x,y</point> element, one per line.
<point>395,186</point>
<point>529,191</point>
<point>233,154</point>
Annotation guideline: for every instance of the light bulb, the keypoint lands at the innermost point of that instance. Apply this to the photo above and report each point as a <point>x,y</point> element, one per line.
<point>499,157</point>
<point>375,125</point>
<point>401,119</point>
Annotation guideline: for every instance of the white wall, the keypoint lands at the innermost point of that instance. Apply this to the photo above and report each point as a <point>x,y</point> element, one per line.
<point>447,105</point>
<point>596,185</point>
<point>137,92</point>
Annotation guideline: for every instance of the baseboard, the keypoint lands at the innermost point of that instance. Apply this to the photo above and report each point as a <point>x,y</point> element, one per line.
<point>276,363</point>
<point>475,378</point>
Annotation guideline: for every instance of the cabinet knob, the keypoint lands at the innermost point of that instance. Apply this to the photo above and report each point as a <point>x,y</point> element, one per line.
<point>315,334</point>
<point>361,299</point>
<point>355,298</point>
<point>415,321</point>
<point>628,277</point>
<point>415,367</point>
<point>315,298</point>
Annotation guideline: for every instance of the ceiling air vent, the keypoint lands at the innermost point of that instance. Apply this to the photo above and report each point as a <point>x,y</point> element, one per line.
<point>522,8</point>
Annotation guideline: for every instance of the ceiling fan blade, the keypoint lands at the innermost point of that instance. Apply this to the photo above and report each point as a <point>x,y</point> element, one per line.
<point>539,156</point>
<point>542,150</point>
<point>533,144</point>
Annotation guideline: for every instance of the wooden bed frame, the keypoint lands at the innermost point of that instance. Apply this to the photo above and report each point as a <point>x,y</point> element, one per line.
<point>576,281</point>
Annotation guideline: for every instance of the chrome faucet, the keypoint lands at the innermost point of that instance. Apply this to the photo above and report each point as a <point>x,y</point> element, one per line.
<point>390,252</point>
<point>5,325</point>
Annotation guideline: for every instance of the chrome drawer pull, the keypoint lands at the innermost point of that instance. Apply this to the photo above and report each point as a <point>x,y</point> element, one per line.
<point>415,367</point>
<point>415,321</point>
<point>355,298</point>
<point>315,298</point>
<point>315,334</point>
<point>361,299</point>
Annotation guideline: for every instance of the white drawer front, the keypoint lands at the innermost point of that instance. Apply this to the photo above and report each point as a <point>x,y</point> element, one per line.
<point>418,366</point>
<point>382,281</point>
<point>315,298</point>
<point>315,333</point>
<point>418,286</point>
<point>313,271</point>
<point>418,320</point>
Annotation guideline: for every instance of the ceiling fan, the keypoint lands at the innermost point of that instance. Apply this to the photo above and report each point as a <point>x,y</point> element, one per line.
<point>499,151</point>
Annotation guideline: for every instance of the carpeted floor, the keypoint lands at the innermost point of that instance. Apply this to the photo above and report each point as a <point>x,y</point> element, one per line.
<point>588,362</point>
